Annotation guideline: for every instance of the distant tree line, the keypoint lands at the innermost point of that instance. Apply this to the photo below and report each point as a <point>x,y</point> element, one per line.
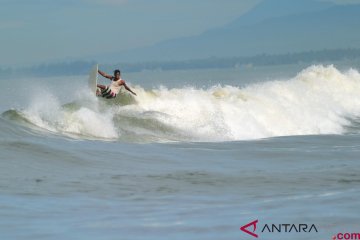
<point>83,67</point>
<point>238,62</point>
<point>50,69</point>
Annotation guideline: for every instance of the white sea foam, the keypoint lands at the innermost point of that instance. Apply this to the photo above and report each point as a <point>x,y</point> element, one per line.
<point>46,112</point>
<point>316,101</point>
<point>319,100</point>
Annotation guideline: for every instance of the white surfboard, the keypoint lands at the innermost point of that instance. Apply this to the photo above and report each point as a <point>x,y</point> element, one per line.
<point>93,77</point>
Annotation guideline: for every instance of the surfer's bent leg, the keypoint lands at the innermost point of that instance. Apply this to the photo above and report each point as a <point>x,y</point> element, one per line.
<point>107,93</point>
<point>101,86</point>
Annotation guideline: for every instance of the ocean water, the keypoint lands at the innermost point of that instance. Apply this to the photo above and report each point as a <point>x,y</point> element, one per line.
<point>196,155</point>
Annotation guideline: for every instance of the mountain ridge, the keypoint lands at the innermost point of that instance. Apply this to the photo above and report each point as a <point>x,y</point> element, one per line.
<point>330,27</point>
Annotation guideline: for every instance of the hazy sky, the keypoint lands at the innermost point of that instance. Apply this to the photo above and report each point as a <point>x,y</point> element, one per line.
<point>33,31</point>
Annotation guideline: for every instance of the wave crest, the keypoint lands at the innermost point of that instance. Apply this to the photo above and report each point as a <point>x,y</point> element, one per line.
<point>319,100</point>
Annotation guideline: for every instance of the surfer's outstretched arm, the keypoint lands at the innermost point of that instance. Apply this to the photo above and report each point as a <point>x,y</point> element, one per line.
<point>127,88</point>
<point>105,75</point>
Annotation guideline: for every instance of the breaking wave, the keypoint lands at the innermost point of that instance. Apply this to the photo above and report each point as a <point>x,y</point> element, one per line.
<point>319,100</point>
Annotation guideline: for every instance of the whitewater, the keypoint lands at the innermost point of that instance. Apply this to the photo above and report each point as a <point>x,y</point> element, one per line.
<point>195,155</point>
<point>318,100</point>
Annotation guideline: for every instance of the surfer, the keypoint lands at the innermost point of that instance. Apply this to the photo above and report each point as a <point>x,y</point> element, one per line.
<point>114,88</point>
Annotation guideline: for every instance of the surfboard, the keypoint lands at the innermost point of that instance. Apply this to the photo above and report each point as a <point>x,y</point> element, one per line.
<point>93,77</point>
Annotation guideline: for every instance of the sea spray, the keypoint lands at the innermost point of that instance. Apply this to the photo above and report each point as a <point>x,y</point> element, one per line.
<point>319,100</point>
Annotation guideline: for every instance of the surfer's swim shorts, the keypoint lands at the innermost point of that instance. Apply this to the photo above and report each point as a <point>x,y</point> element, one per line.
<point>107,93</point>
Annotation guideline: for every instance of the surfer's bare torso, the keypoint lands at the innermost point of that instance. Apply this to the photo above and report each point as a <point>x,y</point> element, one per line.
<point>112,90</point>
